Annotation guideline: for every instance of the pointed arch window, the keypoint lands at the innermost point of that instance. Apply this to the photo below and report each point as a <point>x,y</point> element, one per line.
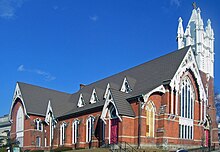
<point>38,124</point>
<point>81,101</point>
<point>113,113</point>
<point>20,126</point>
<point>94,97</point>
<point>75,131</point>
<point>38,141</point>
<point>89,128</point>
<point>187,97</point>
<point>150,119</point>
<point>125,86</point>
<point>62,133</point>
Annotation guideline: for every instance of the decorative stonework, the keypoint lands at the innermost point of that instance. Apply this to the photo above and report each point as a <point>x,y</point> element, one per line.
<point>18,95</point>
<point>201,39</point>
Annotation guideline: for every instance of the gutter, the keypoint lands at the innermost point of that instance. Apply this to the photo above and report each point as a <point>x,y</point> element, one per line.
<point>139,120</point>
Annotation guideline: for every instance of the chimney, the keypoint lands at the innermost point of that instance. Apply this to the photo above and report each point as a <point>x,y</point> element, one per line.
<point>82,86</point>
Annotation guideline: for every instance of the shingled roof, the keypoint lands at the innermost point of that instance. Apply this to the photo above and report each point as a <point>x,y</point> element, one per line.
<point>36,99</point>
<point>142,79</point>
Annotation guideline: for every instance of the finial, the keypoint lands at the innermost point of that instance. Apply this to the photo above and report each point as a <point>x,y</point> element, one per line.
<point>198,10</point>
<point>209,22</point>
<point>194,5</point>
<point>180,19</point>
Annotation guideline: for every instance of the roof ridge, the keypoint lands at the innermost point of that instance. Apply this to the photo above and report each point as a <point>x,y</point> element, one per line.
<point>40,87</point>
<point>157,58</point>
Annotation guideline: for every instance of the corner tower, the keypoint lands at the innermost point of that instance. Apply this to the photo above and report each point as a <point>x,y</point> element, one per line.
<point>201,39</point>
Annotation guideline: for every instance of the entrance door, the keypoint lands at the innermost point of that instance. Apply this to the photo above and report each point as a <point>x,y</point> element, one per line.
<point>114,131</point>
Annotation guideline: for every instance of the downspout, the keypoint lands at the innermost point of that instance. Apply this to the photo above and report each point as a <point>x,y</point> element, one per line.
<point>139,121</point>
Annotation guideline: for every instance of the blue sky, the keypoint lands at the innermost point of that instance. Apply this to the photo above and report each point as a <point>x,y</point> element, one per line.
<point>59,44</point>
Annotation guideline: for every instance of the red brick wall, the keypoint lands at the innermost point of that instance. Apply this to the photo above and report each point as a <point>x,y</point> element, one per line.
<point>166,129</point>
<point>211,109</point>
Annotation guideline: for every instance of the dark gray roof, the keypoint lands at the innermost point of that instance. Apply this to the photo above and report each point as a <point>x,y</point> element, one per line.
<point>122,105</point>
<point>142,79</point>
<point>36,99</point>
<point>145,77</point>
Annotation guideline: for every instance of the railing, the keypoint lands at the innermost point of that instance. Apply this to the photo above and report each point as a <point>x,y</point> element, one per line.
<point>122,146</point>
<point>128,147</point>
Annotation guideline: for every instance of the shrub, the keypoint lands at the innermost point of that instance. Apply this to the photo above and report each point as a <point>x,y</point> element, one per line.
<point>60,149</point>
<point>3,149</point>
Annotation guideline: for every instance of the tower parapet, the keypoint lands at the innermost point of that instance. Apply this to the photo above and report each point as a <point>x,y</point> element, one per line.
<point>201,39</point>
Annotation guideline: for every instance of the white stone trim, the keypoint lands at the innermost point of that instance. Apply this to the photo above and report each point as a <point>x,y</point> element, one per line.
<point>105,107</point>
<point>124,88</point>
<point>81,101</point>
<point>189,62</point>
<point>93,98</point>
<point>146,96</point>
<point>17,95</point>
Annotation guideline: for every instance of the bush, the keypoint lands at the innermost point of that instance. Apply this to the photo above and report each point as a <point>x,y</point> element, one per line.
<point>3,149</point>
<point>37,150</point>
<point>60,149</point>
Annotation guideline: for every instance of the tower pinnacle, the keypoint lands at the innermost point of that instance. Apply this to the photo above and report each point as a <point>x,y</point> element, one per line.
<point>201,40</point>
<point>194,5</point>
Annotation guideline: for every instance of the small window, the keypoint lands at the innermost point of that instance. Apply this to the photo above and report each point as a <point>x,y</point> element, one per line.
<point>38,125</point>
<point>94,97</point>
<point>113,112</point>
<point>125,86</point>
<point>81,101</point>
<point>38,141</point>
<point>45,142</point>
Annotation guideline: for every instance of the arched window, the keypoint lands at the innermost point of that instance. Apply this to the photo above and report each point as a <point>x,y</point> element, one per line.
<point>75,131</point>
<point>38,141</point>
<point>187,97</point>
<point>89,128</point>
<point>150,119</point>
<point>62,133</point>
<point>38,125</point>
<point>113,114</point>
<point>20,126</point>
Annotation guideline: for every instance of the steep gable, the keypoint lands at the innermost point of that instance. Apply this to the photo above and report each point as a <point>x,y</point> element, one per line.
<point>36,99</point>
<point>142,79</point>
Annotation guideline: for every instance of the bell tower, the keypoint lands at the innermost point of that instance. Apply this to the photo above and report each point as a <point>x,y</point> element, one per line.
<point>201,39</point>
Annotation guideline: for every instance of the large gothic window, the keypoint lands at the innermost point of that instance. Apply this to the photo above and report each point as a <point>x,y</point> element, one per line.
<point>20,126</point>
<point>187,98</point>
<point>150,119</point>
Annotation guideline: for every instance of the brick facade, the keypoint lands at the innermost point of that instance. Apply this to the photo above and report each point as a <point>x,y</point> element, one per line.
<point>165,103</point>
<point>166,128</point>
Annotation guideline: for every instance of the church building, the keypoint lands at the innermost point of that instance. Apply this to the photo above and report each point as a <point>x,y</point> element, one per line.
<point>167,103</point>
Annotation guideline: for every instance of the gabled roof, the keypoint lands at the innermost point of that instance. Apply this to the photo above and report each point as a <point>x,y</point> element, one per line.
<point>36,99</point>
<point>142,78</point>
<point>122,105</point>
<point>145,77</point>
